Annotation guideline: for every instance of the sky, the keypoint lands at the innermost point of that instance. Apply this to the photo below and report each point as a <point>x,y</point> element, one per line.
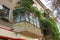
<point>47,3</point>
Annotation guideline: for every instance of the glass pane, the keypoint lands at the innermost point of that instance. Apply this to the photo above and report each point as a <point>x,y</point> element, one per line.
<point>31,18</point>
<point>38,25</point>
<point>37,22</point>
<point>17,19</point>
<point>27,18</point>
<point>6,13</point>
<point>34,21</point>
<point>22,18</point>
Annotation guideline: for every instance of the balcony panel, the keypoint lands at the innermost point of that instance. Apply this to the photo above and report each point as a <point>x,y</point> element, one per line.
<point>19,27</point>
<point>32,28</point>
<point>28,29</point>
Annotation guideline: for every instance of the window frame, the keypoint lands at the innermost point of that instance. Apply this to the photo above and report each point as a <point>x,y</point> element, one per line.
<point>6,13</point>
<point>20,18</point>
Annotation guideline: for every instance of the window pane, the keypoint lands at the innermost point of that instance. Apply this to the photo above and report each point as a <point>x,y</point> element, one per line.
<point>22,18</point>
<point>17,19</point>
<point>6,12</point>
<point>37,22</point>
<point>27,18</point>
<point>31,18</point>
<point>34,21</point>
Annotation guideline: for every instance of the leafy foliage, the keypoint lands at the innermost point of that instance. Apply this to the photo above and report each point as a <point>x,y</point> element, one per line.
<point>53,27</point>
<point>18,11</point>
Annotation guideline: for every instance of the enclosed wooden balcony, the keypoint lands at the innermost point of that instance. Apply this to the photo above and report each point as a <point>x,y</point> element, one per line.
<point>27,24</point>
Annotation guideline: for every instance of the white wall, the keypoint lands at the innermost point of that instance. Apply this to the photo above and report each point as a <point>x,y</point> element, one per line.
<point>7,33</point>
<point>26,37</point>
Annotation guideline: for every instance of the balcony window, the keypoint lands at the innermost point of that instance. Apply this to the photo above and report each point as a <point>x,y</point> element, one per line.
<point>4,12</point>
<point>37,22</point>
<point>27,18</point>
<point>20,18</point>
<point>31,18</point>
<point>17,18</point>
<point>34,21</point>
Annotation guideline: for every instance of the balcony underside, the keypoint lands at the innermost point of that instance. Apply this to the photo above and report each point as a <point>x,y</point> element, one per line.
<point>28,29</point>
<point>26,33</point>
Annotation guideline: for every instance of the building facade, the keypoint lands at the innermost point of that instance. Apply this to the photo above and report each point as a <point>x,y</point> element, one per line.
<point>24,27</point>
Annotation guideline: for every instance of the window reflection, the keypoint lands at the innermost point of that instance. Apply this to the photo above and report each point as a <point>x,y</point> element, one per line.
<point>34,21</point>
<point>31,18</point>
<point>27,19</point>
<point>37,22</point>
<point>17,19</point>
<point>20,18</point>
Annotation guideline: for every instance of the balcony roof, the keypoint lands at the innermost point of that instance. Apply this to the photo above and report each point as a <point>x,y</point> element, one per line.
<point>41,4</point>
